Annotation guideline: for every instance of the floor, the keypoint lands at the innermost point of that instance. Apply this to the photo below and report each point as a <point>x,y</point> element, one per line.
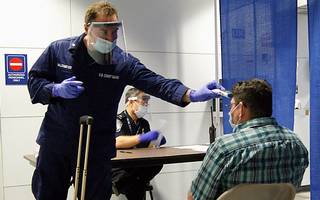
<point>302,196</point>
<point>299,196</point>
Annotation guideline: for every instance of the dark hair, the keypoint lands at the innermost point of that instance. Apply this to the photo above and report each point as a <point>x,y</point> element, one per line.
<point>132,92</point>
<point>255,94</point>
<point>97,8</point>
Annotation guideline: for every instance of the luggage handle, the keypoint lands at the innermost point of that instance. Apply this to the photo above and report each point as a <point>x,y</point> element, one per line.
<point>84,120</point>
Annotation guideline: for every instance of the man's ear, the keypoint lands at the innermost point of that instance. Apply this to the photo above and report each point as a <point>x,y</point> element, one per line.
<point>85,28</point>
<point>241,109</point>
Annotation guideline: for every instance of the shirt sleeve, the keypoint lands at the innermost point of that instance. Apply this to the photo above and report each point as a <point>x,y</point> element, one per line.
<point>41,77</point>
<point>207,182</point>
<point>119,129</point>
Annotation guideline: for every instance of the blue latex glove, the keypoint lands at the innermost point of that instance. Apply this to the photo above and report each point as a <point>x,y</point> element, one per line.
<point>163,141</point>
<point>69,88</point>
<point>149,136</point>
<point>205,93</point>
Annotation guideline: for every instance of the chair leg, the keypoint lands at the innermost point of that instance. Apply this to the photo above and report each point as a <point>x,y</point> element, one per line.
<point>151,196</point>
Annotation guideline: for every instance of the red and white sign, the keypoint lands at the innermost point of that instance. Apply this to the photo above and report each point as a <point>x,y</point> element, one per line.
<point>16,69</point>
<point>16,64</point>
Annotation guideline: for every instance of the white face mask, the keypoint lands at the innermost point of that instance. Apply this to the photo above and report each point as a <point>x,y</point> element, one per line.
<point>230,117</point>
<point>104,46</point>
<point>142,111</point>
<point>230,121</point>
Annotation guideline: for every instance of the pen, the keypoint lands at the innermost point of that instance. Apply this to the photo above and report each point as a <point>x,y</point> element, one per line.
<point>125,152</point>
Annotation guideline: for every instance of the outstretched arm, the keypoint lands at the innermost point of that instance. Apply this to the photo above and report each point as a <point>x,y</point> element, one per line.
<point>205,93</point>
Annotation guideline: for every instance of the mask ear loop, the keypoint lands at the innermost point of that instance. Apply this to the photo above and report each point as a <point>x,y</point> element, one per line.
<point>240,115</point>
<point>241,109</point>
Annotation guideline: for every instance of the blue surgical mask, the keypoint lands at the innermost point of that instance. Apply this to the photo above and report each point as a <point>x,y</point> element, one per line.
<point>104,46</point>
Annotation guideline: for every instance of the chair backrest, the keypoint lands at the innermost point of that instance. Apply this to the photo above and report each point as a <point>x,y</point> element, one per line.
<point>276,191</point>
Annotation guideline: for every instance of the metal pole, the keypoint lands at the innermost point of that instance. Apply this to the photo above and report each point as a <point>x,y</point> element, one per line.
<point>217,67</point>
<point>84,175</point>
<point>78,164</point>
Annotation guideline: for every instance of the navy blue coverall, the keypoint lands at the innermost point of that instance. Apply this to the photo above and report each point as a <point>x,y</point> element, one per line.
<point>59,131</point>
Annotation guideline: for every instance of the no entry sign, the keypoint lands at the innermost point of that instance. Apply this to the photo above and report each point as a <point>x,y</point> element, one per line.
<point>16,69</point>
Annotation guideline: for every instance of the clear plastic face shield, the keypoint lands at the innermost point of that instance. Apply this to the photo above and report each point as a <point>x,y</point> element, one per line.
<point>103,39</point>
<point>142,100</point>
<point>143,103</point>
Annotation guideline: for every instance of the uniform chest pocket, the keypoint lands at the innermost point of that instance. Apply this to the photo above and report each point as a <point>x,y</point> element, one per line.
<point>64,73</point>
<point>101,81</point>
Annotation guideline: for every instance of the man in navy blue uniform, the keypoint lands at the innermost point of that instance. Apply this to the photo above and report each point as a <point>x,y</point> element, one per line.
<point>86,75</point>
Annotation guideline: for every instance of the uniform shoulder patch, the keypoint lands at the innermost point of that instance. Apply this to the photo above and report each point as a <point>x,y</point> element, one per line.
<point>121,116</point>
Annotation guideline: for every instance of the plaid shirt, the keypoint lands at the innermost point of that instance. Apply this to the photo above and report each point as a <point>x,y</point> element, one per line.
<point>258,151</point>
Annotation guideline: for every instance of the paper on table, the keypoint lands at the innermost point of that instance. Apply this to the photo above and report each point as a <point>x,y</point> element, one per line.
<point>160,126</point>
<point>197,147</point>
<point>156,143</point>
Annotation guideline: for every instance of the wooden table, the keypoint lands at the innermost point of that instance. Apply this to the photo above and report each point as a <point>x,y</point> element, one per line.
<point>151,156</point>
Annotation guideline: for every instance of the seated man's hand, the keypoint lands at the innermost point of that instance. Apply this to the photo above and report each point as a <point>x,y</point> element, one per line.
<point>205,93</point>
<point>149,136</point>
<point>163,140</point>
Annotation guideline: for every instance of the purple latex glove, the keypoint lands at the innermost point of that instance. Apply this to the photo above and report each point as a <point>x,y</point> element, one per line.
<point>149,136</point>
<point>163,141</point>
<point>69,88</point>
<point>205,93</point>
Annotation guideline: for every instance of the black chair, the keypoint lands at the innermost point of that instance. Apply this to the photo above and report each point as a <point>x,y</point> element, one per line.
<point>148,188</point>
<point>259,191</point>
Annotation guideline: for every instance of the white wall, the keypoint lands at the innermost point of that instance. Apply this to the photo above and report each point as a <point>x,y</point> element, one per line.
<point>173,38</point>
<point>29,27</point>
<point>302,3</point>
<point>302,115</point>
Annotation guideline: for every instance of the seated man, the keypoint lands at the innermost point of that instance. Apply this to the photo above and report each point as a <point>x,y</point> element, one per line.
<point>133,131</point>
<point>258,151</point>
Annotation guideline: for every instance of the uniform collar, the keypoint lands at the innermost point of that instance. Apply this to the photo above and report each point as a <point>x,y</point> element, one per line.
<point>256,122</point>
<point>74,45</point>
<point>131,120</point>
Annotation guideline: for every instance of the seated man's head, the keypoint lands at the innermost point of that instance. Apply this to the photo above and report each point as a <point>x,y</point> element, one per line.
<point>251,99</point>
<point>136,103</point>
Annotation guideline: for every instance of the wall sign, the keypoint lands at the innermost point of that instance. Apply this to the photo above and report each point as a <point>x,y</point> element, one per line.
<point>16,69</point>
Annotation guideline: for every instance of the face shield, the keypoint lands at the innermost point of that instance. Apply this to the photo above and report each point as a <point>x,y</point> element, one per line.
<point>142,106</point>
<point>143,100</point>
<point>103,39</point>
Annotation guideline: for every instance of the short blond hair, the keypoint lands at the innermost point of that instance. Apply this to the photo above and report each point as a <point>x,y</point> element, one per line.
<point>101,7</point>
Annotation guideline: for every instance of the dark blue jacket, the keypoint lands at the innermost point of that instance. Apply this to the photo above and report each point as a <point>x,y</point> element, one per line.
<point>103,85</point>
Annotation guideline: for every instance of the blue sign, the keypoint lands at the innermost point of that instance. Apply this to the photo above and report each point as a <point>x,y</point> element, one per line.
<point>16,69</point>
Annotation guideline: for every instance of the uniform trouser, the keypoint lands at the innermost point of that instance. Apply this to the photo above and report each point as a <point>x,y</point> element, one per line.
<point>54,171</point>
<point>132,181</point>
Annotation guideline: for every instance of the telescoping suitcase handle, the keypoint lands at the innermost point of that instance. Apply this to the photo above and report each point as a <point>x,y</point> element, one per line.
<point>88,121</point>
